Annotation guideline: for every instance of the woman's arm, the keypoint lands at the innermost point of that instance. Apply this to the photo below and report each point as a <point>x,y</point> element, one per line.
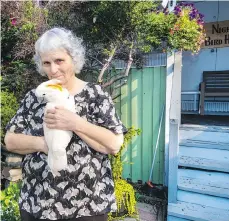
<point>98,138</point>
<point>25,144</point>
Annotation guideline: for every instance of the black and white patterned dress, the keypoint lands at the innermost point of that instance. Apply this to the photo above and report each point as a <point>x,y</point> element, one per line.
<point>86,187</point>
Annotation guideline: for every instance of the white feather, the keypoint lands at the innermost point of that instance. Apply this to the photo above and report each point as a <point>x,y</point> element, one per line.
<point>57,140</point>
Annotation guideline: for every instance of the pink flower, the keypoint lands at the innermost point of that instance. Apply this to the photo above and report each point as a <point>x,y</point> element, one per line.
<point>13,21</point>
<point>171,32</point>
<point>176,27</point>
<point>181,13</point>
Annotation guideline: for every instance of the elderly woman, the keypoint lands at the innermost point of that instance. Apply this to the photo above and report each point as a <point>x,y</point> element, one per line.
<point>85,190</point>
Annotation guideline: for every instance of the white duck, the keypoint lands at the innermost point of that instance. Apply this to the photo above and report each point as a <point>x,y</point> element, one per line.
<point>57,140</point>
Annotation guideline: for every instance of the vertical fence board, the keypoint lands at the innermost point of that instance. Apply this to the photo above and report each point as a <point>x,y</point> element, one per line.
<point>125,117</point>
<point>156,119</point>
<point>161,151</point>
<point>136,120</point>
<point>147,118</point>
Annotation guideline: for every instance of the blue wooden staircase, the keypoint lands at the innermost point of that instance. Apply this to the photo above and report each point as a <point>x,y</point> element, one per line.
<point>202,175</point>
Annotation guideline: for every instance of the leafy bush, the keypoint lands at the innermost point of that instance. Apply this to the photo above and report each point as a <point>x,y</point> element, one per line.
<point>9,105</point>
<point>9,202</point>
<point>124,192</point>
<point>22,23</point>
<point>19,77</point>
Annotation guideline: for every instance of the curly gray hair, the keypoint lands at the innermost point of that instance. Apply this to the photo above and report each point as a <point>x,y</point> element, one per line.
<point>60,38</point>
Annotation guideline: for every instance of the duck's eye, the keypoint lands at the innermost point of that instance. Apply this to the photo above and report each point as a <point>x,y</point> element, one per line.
<point>43,94</point>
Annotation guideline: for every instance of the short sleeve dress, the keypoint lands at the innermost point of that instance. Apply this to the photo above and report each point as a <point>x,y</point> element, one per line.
<point>86,187</point>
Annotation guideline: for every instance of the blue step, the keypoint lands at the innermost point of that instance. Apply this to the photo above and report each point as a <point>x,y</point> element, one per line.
<point>204,158</point>
<point>205,182</point>
<point>196,212</point>
<point>173,218</point>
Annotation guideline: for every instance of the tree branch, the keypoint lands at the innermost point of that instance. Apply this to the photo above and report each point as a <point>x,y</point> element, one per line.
<point>107,64</point>
<point>130,61</point>
<point>115,96</point>
<point>96,59</point>
<point>123,74</point>
<point>113,81</point>
<point>120,85</point>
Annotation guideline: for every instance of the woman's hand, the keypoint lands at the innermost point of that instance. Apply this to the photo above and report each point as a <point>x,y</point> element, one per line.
<point>62,119</point>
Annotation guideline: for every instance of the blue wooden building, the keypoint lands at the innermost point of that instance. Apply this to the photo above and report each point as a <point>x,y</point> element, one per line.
<point>214,56</point>
<point>197,156</point>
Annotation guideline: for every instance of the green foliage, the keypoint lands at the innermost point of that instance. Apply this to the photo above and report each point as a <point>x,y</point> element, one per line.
<point>150,27</point>
<point>64,14</point>
<point>22,22</point>
<point>116,161</point>
<point>9,36</point>
<point>9,202</point>
<point>8,39</point>
<point>13,79</point>
<point>9,106</point>
<point>124,192</point>
<point>20,76</point>
<point>180,31</point>
<point>32,22</point>
<point>126,200</point>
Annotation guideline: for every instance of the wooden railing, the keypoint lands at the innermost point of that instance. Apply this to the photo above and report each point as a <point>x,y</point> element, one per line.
<point>174,122</point>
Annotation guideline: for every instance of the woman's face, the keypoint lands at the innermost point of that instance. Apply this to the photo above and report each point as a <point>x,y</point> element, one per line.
<point>58,64</point>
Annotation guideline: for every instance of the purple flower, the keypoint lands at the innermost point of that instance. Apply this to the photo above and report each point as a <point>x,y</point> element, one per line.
<point>166,11</point>
<point>177,10</point>
<point>192,14</point>
<point>201,15</point>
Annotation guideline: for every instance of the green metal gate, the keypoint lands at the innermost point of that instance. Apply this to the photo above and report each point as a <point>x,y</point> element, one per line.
<point>140,105</point>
